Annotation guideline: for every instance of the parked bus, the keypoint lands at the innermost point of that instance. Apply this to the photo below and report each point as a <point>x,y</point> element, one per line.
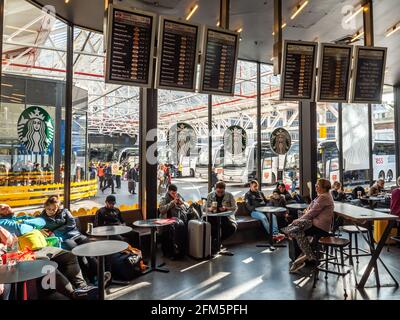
<point>217,160</point>
<point>384,166</point>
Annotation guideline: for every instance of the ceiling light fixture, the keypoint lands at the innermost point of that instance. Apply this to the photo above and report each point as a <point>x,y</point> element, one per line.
<point>392,30</point>
<point>239,30</point>
<point>358,35</point>
<point>283,26</point>
<point>192,11</point>
<point>218,23</point>
<point>353,15</point>
<point>66,1</point>
<point>299,7</point>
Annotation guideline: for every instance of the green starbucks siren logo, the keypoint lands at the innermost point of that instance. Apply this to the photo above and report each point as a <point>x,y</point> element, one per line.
<point>35,129</point>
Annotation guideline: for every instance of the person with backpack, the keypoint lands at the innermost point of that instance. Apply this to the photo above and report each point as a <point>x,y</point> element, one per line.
<point>133,177</point>
<point>109,179</point>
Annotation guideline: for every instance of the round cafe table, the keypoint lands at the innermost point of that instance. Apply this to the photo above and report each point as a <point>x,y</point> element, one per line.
<point>298,206</point>
<point>108,231</point>
<point>153,224</point>
<point>24,271</point>
<point>219,215</point>
<point>270,211</point>
<point>100,249</point>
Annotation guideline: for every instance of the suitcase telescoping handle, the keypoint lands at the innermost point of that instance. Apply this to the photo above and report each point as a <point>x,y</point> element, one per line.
<point>204,210</point>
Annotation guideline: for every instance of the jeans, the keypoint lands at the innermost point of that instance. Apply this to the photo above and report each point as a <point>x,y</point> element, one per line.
<point>264,220</point>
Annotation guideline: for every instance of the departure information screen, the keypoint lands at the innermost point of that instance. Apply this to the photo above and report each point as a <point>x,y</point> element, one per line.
<point>130,47</point>
<point>298,76</point>
<point>369,75</point>
<point>177,63</point>
<point>219,62</point>
<point>334,73</point>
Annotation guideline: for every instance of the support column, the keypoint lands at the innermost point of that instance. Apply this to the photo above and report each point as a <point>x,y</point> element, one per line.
<point>210,158</point>
<point>368,21</point>
<point>68,115</point>
<point>57,133</point>
<point>258,121</point>
<point>1,43</point>
<point>277,50</point>
<point>308,148</point>
<point>396,93</point>
<point>148,182</point>
<point>340,135</point>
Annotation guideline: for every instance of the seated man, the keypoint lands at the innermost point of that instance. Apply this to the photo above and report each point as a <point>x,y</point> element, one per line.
<point>281,189</point>
<point>221,201</point>
<point>69,279</point>
<point>108,215</point>
<point>255,198</point>
<point>377,188</point>
<point>337,192</point>
<point>173,205</point>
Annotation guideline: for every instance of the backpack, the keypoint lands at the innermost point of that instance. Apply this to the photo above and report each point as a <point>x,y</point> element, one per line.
<point>127,265</point>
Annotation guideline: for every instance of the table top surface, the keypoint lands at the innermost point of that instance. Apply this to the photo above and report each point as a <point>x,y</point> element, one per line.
<point>270,209</point>
<point>359,213</point>
<point>218,214</point>
<point>105,231</point>
<point>374,198</point>
<point>153,223</point>
<point>99,248</point>
<point>297,205</point>
<point>26,270</point>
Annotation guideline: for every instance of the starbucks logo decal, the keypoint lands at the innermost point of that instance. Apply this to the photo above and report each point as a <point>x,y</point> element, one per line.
<point>35,129</point>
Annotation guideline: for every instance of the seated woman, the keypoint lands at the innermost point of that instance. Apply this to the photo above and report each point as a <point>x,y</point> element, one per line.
<point>337,192</point>
<point>316,222</point>
<point>62,224</point>
<point>254,199</point>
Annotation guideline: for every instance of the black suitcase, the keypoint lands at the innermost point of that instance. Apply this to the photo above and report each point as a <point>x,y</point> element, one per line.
<point>174,241</point>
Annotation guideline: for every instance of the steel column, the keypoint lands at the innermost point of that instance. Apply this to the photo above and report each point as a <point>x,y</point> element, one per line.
<point>258,121</point>
<point>308,148</point>
<point>340,135</point>
<point>277,49</point>
<point>68,116</point>
<point>396,92</point>
<point>210,158</point>
<point>1,43</point>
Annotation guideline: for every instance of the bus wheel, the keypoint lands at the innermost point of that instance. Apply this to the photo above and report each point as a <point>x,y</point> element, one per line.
<point>390,175</point>
<point>381,175</point>
<point>191,173</point>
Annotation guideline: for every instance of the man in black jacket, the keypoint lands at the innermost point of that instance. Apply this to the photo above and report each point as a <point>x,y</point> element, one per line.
<point>255,198</point>
<point>281,189</point>
<point>133,177</point>
<point>108,215</point>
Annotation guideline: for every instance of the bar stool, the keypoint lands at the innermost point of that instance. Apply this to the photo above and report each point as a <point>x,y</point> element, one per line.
<point>336,244</point>
<point>354,231</point>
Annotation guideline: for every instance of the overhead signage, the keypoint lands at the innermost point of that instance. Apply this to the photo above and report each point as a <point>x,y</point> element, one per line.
<point>177,57</point>
<point>218,62</point>
<point>334,72</point>
<point>368,75</point>
<point>298,71</point>
<point>130,46</point>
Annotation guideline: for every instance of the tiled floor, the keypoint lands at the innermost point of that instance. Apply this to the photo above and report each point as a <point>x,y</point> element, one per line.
<point>253,273</point>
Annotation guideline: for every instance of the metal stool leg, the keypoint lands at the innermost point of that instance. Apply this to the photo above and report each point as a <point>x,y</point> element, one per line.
<point>326,260</point>
<point>344,276</point>
<point>356,240</point>
<point>351,248</point>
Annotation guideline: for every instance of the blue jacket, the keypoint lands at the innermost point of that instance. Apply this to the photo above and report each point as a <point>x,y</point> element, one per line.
<point>21,225</point>
<point>62,224</point>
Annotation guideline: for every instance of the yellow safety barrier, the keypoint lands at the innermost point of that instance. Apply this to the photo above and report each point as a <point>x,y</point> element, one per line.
<point>25,177</point>
<point>19,196</point>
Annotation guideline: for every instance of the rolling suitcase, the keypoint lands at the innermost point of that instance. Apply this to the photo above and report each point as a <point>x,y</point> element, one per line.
<point>199,239</point>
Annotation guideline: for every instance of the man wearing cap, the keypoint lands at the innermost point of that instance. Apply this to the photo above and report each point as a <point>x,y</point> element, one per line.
<point>108,215</point>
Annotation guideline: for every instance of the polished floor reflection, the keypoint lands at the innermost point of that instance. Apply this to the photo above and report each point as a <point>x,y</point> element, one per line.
<point>253,273</point>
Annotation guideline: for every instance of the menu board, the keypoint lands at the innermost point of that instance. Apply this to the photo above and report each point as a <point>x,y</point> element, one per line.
<point>334,72</point>
<point>177,58</point>
<point>130,46</point>
<point>298,70</point>
<point>369,73</point>
<point>218,63</point>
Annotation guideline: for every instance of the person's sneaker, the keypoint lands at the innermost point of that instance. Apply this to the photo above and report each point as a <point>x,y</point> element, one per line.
<point>87,293</point>
<point>296,266</point>
<point>107,279</point>
<point>278,237</point>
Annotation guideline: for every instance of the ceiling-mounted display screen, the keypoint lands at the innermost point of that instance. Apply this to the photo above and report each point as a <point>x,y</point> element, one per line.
<point>368,75</point>
<point>130,46</point>
<point>298,70</point>
<point>177,57</point>
<point>334,72</point>
<point>218,62</point>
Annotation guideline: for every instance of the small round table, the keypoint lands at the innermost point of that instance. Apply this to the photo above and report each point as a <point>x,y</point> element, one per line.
<point>219,215</point>
<point>153,224</point>
<point>298,206</point>
<point>270,211</point>
<point>23,271</point>
<point>384,210</point>
<point>100,249</point>
<point>108,231</point>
